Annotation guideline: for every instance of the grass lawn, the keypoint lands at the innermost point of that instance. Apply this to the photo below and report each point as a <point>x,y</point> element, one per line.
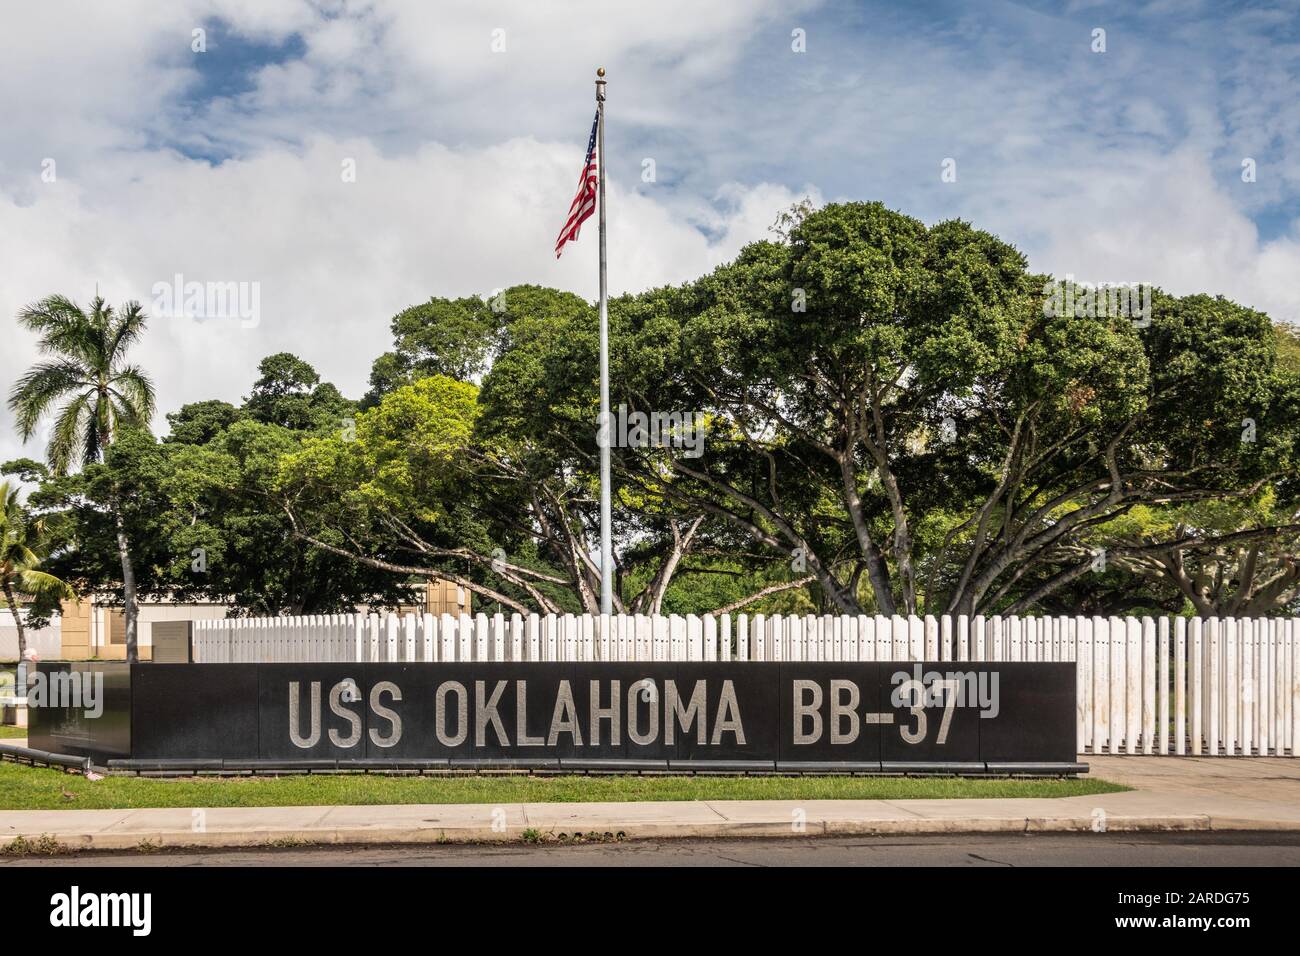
<point>8,732</point>
<point>39,788</point>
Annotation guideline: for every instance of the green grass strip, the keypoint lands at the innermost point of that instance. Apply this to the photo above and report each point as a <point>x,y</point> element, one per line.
<point>38,788</point>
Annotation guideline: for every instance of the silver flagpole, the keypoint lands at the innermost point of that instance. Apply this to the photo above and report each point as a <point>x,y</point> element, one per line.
<point>606,545</point>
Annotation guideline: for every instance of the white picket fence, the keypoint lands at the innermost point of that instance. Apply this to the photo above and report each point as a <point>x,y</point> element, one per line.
<point>44,641</point>
<point>1145,685</point>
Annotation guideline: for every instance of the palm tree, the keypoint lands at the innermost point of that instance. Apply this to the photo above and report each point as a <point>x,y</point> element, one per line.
<point>22,543</point>
<point>101,393</point>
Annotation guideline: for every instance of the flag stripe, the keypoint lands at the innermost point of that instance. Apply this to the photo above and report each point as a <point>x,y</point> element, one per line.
<point>584,203</point>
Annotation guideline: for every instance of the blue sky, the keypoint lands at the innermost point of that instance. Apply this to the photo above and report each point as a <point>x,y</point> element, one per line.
<point>832,116</point>
<point>224,165</point>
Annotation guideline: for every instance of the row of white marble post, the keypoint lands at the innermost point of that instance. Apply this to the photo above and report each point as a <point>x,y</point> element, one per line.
<point>1145,685</point>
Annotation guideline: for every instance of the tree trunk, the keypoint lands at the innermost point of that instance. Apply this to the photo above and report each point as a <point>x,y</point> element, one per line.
<point>877,571</point>
<point>22,635</point>
<point>963,604</point>
<point>128,581</point>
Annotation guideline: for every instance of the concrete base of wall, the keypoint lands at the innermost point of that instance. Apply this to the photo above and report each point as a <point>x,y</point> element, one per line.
<point>110,652</point>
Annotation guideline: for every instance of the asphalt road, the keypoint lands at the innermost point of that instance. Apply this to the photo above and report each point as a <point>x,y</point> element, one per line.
<point>1108,850</point>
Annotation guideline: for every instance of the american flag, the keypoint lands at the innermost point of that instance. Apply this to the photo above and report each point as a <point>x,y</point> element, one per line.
<point>584,203</point>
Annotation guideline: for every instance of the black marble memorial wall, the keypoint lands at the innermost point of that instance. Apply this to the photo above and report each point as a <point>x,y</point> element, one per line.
<point>738,715</point>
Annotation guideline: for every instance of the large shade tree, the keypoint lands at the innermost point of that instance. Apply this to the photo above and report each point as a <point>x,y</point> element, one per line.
<point>93,393</point>
<point>891,407</point>
<point>513,511</point>
<point>893,422</point>
<point>397,493</point>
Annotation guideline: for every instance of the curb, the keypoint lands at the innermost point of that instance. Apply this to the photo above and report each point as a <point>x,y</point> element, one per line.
<point>362,836</point>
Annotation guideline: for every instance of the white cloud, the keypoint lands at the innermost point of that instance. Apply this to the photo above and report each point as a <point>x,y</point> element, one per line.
<point>402,89</point>
<point>1170,223</point>
<point>1116,167</point>
<point>336,260</point>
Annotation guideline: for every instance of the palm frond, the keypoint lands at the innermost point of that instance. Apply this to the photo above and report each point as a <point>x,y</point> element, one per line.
<point>41,386</point>
<point>10,506</point>
<point>50,312</point>
<point>91,348</point>
<point>65,330</point>
<point>37,583</point>
<point>135,392</point>
<point>102,319</point>
<point>123,332</point>
<point>74,429</point>
<point>23,547</point>
<point>92,443</point>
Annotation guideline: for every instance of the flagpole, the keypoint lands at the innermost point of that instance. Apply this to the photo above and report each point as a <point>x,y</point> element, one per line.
<point>606,545</point>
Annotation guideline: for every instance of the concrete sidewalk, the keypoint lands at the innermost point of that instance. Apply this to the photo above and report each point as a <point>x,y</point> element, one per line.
<point>1173,794</point>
